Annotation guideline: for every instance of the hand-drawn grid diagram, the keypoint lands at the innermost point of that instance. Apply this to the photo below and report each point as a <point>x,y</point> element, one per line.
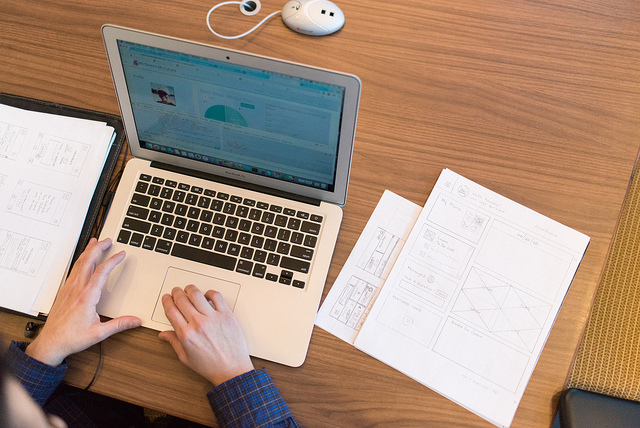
<point>502,309</point>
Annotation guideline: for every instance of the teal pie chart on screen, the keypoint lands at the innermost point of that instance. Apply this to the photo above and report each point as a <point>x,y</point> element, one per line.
<point>225,114</point>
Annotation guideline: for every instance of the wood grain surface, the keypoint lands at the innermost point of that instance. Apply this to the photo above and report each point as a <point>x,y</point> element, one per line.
<point>536,100</point>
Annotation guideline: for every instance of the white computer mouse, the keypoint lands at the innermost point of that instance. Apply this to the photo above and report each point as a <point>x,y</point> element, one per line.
<point>312,17</point>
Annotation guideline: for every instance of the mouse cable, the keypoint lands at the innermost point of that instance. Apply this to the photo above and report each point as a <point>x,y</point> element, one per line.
<point>243,34</point>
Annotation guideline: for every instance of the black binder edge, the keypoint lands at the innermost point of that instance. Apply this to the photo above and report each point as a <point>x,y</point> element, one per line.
<point>110,163</point>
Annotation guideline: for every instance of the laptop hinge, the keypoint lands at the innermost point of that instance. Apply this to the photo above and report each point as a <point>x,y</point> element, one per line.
<point>236,183</point>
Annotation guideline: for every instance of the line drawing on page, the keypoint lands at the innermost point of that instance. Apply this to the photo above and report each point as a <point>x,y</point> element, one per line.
<point>501,309</point>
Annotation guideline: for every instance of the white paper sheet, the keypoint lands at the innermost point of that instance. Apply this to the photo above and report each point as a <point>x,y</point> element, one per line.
<point>472,297</point>
<point>49,167</point>
<point>354,291</point>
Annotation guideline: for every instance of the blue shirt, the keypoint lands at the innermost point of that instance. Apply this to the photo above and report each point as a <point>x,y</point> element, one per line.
<point>248,400</point>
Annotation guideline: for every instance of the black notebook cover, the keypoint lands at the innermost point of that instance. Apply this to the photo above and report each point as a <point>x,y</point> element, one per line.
<point>110,163</point>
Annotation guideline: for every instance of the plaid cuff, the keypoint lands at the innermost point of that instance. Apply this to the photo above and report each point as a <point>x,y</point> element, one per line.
<point>250,400</point>
<point>38,378</point>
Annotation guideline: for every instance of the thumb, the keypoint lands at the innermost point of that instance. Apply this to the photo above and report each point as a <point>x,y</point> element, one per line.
<point>119,324</point>
<point>171,337</point>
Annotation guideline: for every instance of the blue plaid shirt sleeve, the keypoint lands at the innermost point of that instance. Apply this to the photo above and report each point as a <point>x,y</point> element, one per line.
<point>39,379</point>
<point>250,400</point>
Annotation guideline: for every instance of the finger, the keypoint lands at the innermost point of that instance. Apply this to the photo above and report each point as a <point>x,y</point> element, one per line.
<point>184,304</point>
<point>218,301</point>
<point>197,299</point>
<point>104,269</point>
<point>86,263</point>
<point>172,312</point>
<point>119,324</point>
<point>172,338</point>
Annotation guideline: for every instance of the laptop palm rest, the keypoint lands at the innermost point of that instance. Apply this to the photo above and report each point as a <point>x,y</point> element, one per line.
<point>176,277</point>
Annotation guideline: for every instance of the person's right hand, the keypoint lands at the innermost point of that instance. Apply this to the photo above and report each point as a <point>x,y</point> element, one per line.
<point>207,336</point>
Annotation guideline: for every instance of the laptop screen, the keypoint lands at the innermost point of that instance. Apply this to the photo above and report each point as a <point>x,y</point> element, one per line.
<point>257,121</point>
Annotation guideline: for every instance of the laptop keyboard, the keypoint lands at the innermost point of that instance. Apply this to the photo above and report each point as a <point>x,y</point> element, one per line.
<point>227,231</point>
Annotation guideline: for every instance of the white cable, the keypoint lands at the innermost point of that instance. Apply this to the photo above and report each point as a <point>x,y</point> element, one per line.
<point>243,34</point>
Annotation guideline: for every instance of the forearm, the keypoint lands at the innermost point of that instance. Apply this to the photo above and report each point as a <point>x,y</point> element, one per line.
<point>39,379</point>
<point>250,400</point>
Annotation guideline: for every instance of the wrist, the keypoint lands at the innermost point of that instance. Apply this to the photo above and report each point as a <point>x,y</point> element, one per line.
<point>44,353</point>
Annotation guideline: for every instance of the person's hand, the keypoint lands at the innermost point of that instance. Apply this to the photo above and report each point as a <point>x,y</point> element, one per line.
<point>207,336</point>
<point>73,323</point>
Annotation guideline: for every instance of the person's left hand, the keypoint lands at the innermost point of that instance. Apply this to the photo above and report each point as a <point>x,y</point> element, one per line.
<point>73,323</point>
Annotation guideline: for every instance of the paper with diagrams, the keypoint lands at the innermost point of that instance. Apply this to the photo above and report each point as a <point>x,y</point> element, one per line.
<point>354,291</point>
<point>472,297</point>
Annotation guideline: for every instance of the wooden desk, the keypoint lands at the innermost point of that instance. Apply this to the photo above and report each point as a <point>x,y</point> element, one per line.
<point>539,101</point>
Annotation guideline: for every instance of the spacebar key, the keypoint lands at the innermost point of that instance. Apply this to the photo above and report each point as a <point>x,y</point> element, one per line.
<point>202,256</point>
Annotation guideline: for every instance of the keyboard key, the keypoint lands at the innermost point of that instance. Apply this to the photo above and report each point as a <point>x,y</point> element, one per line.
<point>156,230</point>
<point>301,252</point>
<point>233,250</point>
<point>169,233</point>
<point>310,227</point>
<point>310,241</point>
<point>193,226</point>
<point>285,277</point>
<point>167,219</point>
<point>191,199</point>
<point>195,239</point>
<point>166,193</point>
<point>223,196</point>
<point>295,264</point>
<point>297,283</point>
<point>273,259</point>
<point>163,246</point>
<point>180,223</point>
<point>137,212</point>
<point>259,270</point>
<point>142,187</point>
<point>297,238</point>
<point>260,256</point>
<point>203,256</point>
<point>136,239</point>
<point>149,243</point>
<point>158,180</point>
<point>182,236</point>
<point>145,177</point>
<point>207,243</point>
<point>171,183</point>
<point>216,205</point>
<point>281,220</point>
<point>183,186</point>
<point>193,212</point>
<point>289,212</point>
<point>178,196</point>
<point>155,216</point>
<point>136,225</point>
<point>293,223</point>
<point>271,277</point>
<point>283,248</point>
<point>168,206</point>
<point>218,232</point>
<point>236,199</point>
<point>316,218</point>
<point>220,246</point>
<point>123,236</point>
<point>154,190</point>
<point>142,200</point>
<point>244,266</point>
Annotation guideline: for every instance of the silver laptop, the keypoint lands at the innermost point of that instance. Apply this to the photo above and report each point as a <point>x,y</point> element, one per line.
<point>241,163</point>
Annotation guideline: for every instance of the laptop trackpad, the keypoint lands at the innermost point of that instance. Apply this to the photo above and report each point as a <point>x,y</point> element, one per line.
<point>176,277</point>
